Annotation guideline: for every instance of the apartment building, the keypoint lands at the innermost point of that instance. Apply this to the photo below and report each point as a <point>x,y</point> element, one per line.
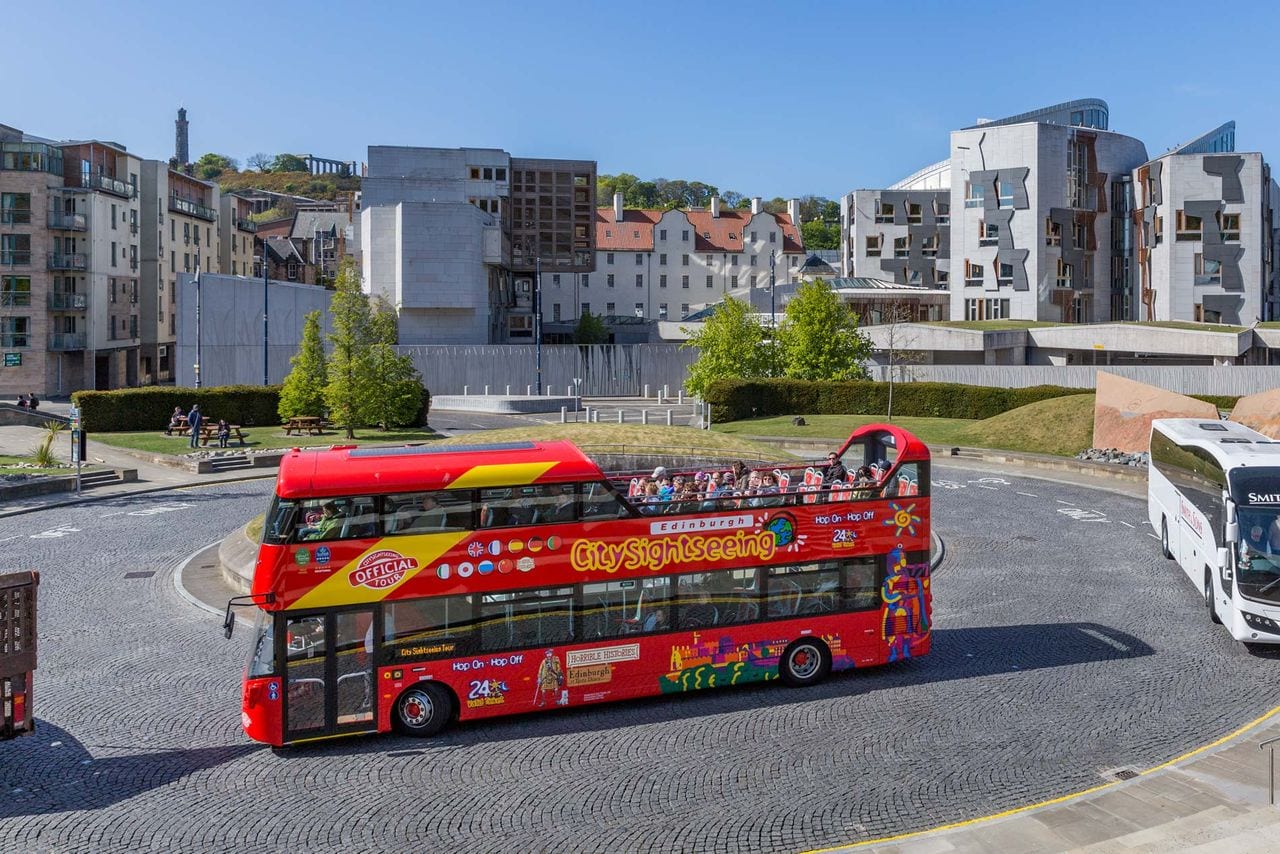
<point>453,238</point>
<point>69,264</point>
<point>182,234</point>
<point>661,265</point>
<point>236,234</point>
<point>1205,230</point>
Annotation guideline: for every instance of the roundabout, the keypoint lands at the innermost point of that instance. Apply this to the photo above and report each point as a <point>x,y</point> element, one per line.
<point>1066,649</point>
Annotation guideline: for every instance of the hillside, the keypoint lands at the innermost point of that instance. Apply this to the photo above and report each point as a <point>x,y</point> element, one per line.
<point>328,187</point>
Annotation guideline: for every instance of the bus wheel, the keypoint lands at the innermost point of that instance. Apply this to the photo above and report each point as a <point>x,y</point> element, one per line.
<point>805,662</point>
<point>422,710</point>
<point>1164,538</point>
<point>1208,596</point>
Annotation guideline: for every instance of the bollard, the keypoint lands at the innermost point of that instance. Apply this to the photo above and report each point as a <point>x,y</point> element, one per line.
<point>680,396</point>
<point>465,390</point>
<point>586,413</point>
<point>508,392</point>
<point>646,391</point>
<point>706,422</point>
<point>619,416</point>
<point>568,391</point>
<point>486,391</point>
<point>666,391</point>
<point>595,416</point>
<point>564,415</point>
<point>644,416</point>
<point>528,391</point>
<point>659,397</point>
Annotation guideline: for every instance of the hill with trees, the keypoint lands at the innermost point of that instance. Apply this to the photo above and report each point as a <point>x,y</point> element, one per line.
<point>280,173</point>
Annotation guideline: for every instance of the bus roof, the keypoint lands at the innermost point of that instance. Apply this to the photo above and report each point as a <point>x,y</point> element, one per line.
<point>349,470</point>
<point>907,445</point>
<point>1230,442</point>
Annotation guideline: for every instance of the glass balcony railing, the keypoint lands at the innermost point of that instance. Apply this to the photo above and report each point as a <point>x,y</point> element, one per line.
<point>67,341</point>
<point>246,225</point>
<point>111,185</point>
<point>77,261</point>
<point>190,208</point>
<point>68,302</point>
<point>67,221</point>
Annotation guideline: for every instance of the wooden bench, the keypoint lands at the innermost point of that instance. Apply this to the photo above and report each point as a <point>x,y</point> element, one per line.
<point>210,434</point>
<point>308,424</point>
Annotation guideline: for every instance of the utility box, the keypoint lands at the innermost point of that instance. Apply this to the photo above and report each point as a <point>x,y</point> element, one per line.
<point>17,652</point>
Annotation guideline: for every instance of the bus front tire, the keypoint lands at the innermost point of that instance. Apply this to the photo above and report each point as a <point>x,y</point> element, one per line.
<point>805,662</point>
<point>1164,538</point>
<point>1208,596</point>
<point>422,710</point>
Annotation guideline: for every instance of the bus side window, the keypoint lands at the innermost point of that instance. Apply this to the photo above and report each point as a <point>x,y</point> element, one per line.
<point>599,503</point>
<point>862,579</point>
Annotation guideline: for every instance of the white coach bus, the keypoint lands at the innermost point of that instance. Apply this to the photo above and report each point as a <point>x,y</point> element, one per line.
<point>1213,494</point>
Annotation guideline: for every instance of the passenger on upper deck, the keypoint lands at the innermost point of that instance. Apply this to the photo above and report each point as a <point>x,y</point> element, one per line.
<point>834,469</point>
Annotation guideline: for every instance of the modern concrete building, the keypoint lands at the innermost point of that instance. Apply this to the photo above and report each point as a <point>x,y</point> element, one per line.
<point>236,234</point>
<point>901,234</point>
<point>658,264</point>
<point>453,237</point>
<point>1205,233</point>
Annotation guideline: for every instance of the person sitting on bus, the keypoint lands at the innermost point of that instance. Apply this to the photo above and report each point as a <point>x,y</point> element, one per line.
<point>864,476</point>
<point>329,525</point>
<point>700,613</point>
<point>432,517</point>
<point>562,510</point>
<point>524,514</point>
<point>834,470</point>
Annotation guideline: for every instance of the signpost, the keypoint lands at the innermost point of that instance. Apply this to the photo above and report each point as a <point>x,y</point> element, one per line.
<point>77,443</point>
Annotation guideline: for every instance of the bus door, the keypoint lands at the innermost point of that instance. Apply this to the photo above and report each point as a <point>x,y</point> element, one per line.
<point>329,673</point>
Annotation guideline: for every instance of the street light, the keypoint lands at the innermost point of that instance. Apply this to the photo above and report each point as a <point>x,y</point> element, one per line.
<point>537,317</point>
<point>773,313</point>
<point>265,280</point>
<point>197,364</point>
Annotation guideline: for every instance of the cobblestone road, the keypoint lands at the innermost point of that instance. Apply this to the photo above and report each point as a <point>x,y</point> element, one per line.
<point>1064,646</point>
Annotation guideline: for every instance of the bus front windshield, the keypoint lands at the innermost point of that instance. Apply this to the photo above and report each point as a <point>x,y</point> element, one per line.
<point>1258,555</point>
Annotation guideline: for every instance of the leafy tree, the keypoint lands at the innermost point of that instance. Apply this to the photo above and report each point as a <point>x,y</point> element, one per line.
<point>896,340</point>
<point>350,371</point>
<point>776,205</point>
<point>396,395</point>
<point>733,199</point>
<point>819,337</point>
<point>830,212</point>
<point>303,391</point>
<point>590,330</point>
<point>731,343</point>
<point>820,235</point>
<point>289,163</point>
<point>211,165</point>
<point>259,162</point>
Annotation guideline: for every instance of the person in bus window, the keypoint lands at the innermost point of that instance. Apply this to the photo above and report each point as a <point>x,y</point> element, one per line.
<point>562,510</point>
<point>432,517</point>
<point>328,527</point>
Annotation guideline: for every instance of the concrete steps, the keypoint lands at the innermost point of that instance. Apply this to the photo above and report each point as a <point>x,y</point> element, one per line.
<point>107,477</point>
<point>1226,828</point>
<point>231,463</point>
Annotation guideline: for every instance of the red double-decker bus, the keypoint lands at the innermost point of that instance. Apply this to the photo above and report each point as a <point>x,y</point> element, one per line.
<point>17,652</point>
<point>405,588</point>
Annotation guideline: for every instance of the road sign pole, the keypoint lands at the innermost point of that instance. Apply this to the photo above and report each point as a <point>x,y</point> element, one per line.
<point>77,442</point>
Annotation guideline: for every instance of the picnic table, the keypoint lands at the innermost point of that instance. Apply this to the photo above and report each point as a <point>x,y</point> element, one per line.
<point>209,432</point>
<point>309,424</point>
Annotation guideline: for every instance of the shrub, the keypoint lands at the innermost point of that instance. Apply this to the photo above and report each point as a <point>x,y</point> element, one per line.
<point>149,408</point>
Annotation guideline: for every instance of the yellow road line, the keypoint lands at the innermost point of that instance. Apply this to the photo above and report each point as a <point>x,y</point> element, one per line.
<point>1052,801</point>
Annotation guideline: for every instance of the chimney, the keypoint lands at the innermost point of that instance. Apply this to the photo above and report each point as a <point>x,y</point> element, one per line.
<point>715,207</point>
<point>756,205</point>
<point>617,207</point>
<point>793,209</point>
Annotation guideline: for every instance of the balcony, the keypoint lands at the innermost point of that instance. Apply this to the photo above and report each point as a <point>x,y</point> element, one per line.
<point>190,208</point>
<point>111,185</point>
<point>62,341</point>
<point>77,261</point>
<point>68,221</point>
<point>246,225</point>
<point>68,302</point>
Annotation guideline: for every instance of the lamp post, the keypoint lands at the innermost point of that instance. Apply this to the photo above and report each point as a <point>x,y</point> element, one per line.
<point>773,314</point>
<point>197,365</point>
<point>537,317</point>
<point>265,288</point>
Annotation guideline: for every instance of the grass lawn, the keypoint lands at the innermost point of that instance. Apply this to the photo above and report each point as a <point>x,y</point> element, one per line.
<point>640,439</point>
<point>1062,426</point>
<point>993,325</point>
<point>9,465</point>
<point>1188,325</point>
<point>259,439</point>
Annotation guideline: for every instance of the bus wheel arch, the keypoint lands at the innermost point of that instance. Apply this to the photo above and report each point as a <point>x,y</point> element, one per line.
<point>423,709</point>
<point>1164,538</point>
<point>1208,596</point>
<point>805,661</point>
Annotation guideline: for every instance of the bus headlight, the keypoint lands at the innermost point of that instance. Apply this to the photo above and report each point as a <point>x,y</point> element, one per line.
<point>1264,624</point>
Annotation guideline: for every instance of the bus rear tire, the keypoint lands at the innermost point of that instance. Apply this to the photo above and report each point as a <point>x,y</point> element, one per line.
<point>1164,538</point>
<point>422,710</point>
<point>805,662</point>
<point>1208,596</point>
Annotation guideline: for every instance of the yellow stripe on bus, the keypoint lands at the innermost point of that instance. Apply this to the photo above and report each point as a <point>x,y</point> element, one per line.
<point>501,474</point>
<point>338,589</point>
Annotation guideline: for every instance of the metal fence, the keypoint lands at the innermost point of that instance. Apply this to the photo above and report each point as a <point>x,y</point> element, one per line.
<point>1189,379</point>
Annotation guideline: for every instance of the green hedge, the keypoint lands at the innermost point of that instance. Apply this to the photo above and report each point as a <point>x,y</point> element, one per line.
<point>737,399</point>
<point>149,408</point>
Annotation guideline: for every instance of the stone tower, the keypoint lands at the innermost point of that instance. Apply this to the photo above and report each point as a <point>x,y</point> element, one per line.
<point>181,151</point>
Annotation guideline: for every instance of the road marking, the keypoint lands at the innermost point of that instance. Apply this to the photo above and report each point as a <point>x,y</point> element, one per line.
<point>1082,515</point>
<point>1152,536</point>
<point>161,508</point>
<point>984,486</point>
<point>7,539</point>
<point>54,533</point>
<point>1027,494</point>
<point>1068,503</point>
<point>1127,525</point>
<point>1093,633</point>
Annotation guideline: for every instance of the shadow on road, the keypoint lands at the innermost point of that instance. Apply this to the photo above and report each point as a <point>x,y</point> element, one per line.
<point>962,653</point>
<point>50,771</point>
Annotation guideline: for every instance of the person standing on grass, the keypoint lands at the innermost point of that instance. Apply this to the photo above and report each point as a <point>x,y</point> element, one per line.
<point>193,421</point>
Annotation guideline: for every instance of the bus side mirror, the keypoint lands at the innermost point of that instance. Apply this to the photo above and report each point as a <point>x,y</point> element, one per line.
<point>1224,563</point>
<point>1233,532</point>
<point>228,623</point>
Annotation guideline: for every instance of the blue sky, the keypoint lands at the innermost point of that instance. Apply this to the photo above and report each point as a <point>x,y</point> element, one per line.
<point>771,99</point>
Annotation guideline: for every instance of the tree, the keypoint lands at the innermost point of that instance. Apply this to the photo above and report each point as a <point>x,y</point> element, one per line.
<point>731,343</point>
<point>895,338</point>
<point>590,330</point>
<point>259,162</point>
<point>350,371</point>
<point>289,163</point>
<point>396,395</point>
<point>211,165</point>
<point>303,391</point>
<point>819,337</point>
<point>820,235</point>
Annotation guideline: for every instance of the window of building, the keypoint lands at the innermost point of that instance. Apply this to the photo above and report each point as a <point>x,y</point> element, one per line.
<point>608,258</point>
<point>710,281</point>
<point>773,237</point>
<point>988,233</point>
<point>555,279</point>
<point>706,235</point>
<point>913,277</point>
<point>15,290</point>
<point>793,261</point>
<point>1189,227</point>
<point>555,311</point>
<point>586,308</point>
<point>14,332</point>
<point>608,280</point>
<point>709,261</point>
<point>754,239</point>
<point>942,277</point>
<point>684,260</point>
<point>884,212</point>
<point>733,281</point>
<point>1208,271</point>
<point>662,260</point>
<point>1157,229</point>
<point>753,260</point>
<point>15,250</point>
<point>500,174</point>
<point>1066,274</point>
<point>475,173</point>
<point>684,235</point>
<point>639,280</point>
<point>902,246</point>
<point>915,214</point>
<point>1052,233</point>
<point>733,260</point>
<point>608,232</point>
<point>972,274</point>
<point>1006,275</point>
<point>15,208</point>
<point>292,271</point>
<point>488,173</point>
<point>639,309</point>
<point>1079,236</point>
<point>586,280</point>
<point>662,234</point>
<point>684,282</point>
<point>929,246</point>
<point>1004,193</point>
<point>113,253</point>
<point>662,311</point>
<point>974,195</point>
<point>610,308</point>
<point>639,255</point>
<point>873,245</point>
<point>684,309</point>
<point>1229,225</point>
<point>942,212</point>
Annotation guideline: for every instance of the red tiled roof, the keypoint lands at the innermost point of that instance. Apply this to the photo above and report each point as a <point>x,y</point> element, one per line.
<point>634,233</point>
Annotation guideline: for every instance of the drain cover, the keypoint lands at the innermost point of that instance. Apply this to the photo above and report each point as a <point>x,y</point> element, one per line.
<point>145,574</point>
<point>1125,773</point>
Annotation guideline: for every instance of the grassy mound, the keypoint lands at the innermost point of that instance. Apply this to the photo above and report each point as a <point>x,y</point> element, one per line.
<point>1062,426</point>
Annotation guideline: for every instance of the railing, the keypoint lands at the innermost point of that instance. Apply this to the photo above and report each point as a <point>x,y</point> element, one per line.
<point>12,298</point>
<point>68,302</point>
<point>190,208</point>
<point>68,221</point>
<point>58,261</point>
<point>67,341</point>
<point>246,225</point>
<point>15,258</point>
<point>112,185</point>
<point>1271,775</point>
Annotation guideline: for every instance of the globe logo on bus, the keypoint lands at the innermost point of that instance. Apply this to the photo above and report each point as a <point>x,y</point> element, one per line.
<point>381,569</point>
<point>783,528</point>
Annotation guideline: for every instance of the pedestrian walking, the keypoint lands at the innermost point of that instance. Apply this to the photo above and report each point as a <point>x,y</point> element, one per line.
<point>193,421</point>
<point>33,401</point>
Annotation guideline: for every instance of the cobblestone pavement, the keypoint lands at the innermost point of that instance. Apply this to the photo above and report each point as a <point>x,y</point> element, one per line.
<point>1064,646</point>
